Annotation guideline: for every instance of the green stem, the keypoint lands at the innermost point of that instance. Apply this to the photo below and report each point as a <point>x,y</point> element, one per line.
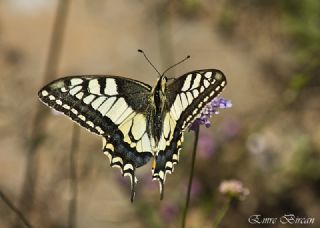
<point>185,211</point>
<point>221,213</point>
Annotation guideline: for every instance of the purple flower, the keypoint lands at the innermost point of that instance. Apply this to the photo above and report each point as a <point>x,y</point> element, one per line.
<point>208,111</point>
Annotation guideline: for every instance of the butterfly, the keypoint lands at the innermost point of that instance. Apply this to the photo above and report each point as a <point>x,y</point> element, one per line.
<point>137,122</point>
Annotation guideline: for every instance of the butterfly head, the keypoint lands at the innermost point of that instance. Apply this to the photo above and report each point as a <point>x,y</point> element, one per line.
<point>160,88</point>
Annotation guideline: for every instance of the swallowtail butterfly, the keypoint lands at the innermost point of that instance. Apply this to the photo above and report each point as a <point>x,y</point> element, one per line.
<point>137,122</point>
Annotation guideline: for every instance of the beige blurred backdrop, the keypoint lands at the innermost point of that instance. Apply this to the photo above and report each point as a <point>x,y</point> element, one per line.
<point>250,43</point>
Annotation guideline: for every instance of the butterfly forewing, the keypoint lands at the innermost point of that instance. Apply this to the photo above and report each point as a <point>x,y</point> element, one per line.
<point>186,97</point>
<point>113,107</point>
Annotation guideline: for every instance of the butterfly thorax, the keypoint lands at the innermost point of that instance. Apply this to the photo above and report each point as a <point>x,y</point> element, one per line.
<point>158,97</point>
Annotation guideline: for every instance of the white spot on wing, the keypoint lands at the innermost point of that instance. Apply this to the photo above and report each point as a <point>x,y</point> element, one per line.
<point>175,157</point>
<point>94,86</point>
<point>128,166</point>
<point>75,90</point>
<point>161,174</point>
<point>117,159</point>
<point>79,95</point>
<point>124,115</point>
<point>76,81</point>
<point>133,144</point>
<point>110,147</point>
<point>173,113</point>
<point>66,106</point>
<point>208,74</point>
<point>90,123</point>
<point>187,83</point>
<point>99,130</point>
<point>125,128</point>
<point>178,106</point>
<point>88,99</point>
<point>184,100</point>
<point>74,111</point>
<point>172,126</point>
<point>206,83</point>
<point>146,142</point>
<point>104,108</point>
<point>44,93</point>
<point>189,97</point>
<point>169,164</point>
<point>195,93</point>
<point>116,166</point>
<point>81,117</point>
<point>97,102</point>
<point>162,144</point>
<point>111,87</point>
<point>195,111</point>
<point>196,81</point>
<point>127,139</point>
<point>117,109</point>
<point>166,125</point>
<point>139,126</point>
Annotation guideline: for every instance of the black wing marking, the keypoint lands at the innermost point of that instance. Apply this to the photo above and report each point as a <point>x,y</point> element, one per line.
<point>113,107</point>
<point>186,96</point>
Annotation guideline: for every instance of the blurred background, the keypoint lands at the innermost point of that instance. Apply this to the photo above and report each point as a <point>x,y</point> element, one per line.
<point>269,140</point>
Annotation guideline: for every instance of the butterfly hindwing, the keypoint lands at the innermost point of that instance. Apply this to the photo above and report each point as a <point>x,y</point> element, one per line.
<point>186,97</point>
<point>113,107</point>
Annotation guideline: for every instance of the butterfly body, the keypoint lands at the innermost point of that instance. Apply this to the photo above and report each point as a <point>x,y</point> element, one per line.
<point>158,104</point>
<point>137,122</point>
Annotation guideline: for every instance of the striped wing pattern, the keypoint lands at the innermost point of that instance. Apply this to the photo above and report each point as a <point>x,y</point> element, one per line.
<point>104,106</point>
<point>120,109</point>
<point>186,97</point>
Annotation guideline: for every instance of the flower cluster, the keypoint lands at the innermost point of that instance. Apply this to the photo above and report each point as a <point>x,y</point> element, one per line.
<point>208,111</point>
<point>234,189</point>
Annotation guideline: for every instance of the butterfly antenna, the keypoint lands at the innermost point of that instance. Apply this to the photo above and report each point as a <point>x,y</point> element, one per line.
<point>175,64</point>
<point>141,51</point>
